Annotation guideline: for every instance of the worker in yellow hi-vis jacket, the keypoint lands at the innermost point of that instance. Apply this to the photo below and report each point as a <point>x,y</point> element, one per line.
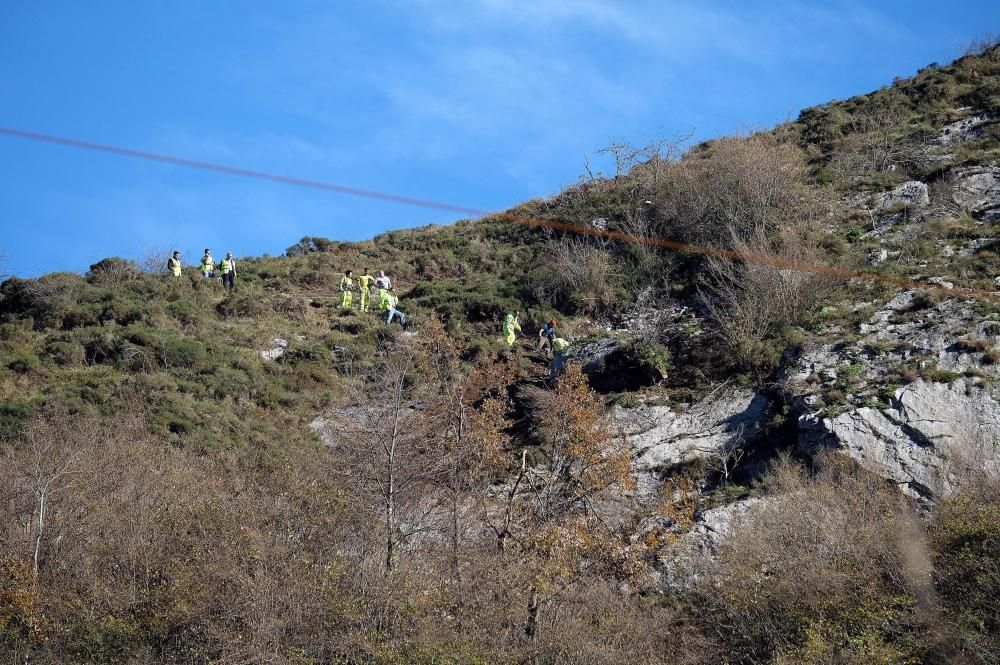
<point>364,286</point>
<point>511,326</point>
<point>346,290</point>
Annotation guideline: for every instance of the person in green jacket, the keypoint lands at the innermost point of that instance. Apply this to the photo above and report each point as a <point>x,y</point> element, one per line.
<point>364,286</point>
<point>174,264</point>
<point>511,326</point>
<point>387,302</point>
<point>346,290</point>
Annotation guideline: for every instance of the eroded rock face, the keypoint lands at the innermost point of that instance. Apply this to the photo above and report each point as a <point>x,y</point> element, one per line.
<point>931,433</point>
<point>912,193</point>
<point>978,191</point>
<point>920,435</point>
<point>966,129</point>
<point>663,437</point>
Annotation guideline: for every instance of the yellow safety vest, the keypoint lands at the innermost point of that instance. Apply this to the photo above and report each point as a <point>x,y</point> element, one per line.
<point>227,266</point>
<point>385,301</point>
<point>175,266</point>
<point>346,283</point>
<point>365,281</point>
<point>207,262</point>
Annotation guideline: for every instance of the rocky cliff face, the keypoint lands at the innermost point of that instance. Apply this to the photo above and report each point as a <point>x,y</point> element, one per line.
<point>909,389</point>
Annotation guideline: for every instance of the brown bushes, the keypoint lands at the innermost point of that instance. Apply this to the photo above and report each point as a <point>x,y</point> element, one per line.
<point>149,553</point>
<point>144,552</point>
<point>579,275</point>
<point>816,574</point>
<point>751,301</point>
<point>735,186</point>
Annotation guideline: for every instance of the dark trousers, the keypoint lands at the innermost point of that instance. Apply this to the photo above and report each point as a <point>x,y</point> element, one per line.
<point>229,280</point>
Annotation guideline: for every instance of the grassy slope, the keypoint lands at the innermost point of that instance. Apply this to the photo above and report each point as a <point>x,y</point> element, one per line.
<point>190,356</point>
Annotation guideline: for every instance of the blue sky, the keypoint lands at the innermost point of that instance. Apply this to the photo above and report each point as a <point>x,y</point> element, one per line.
<point>481,103</point>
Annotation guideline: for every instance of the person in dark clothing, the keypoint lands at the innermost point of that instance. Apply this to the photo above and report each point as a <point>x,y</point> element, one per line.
<point>546,336</point>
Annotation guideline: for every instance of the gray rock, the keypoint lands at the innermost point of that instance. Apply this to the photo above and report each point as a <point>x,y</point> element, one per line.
<point>966,129</point>
<point>927,430</point>
<point>279,346</point>
<point>973,246</point>
<point>929,436</point>
<point>978,190</point>
<point>878,256</point>
<point>716,524</point>
<point>911,193</point>
<point>663,437</point>
<point>695,551</point>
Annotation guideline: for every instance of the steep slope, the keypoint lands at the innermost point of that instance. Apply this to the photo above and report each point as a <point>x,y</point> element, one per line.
<point>194,476</point>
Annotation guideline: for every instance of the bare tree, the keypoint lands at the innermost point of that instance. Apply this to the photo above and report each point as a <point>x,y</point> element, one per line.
<point>549,511</point>
<point>45,468</point>
<point>645,163</point>
<point>154,261</point>
<point>382,447</point>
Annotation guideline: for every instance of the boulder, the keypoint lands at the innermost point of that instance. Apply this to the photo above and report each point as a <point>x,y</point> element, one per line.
<point>663,436</point>
<point>278,347</point>
<point>966,129</point>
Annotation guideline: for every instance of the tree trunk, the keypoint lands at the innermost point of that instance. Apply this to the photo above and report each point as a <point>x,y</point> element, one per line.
<point>534,605</point>
<point>390,543</point>
<point>41,528</point>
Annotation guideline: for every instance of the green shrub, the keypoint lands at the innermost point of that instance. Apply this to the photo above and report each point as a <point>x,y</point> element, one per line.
<point>66,353</point>
<point>239,305</point>
<point>23,362</point>
<point>174,351</point>
<point>14,414</point>
<point>113,270</point>
<point>184,311</point>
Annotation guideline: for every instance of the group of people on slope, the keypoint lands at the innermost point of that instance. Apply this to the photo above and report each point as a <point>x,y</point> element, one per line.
<point>555,347</point>
<point>226,267</point>
<point>386,299</point>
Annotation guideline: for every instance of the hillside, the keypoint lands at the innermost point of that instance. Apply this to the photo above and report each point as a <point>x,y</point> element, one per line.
<point>748,459</point>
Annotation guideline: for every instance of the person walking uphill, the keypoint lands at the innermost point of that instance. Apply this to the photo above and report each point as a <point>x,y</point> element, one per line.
<point>546,336</point>
<point>387,302</point>
<point>228,270</point>
<point>364,286</point>
<point>511,326</point>
<point>346,290</point>
<point>174,264</point>
<point>208,265</point>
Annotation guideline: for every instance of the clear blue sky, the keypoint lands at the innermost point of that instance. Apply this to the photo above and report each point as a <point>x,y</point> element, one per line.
<point>481,103</point>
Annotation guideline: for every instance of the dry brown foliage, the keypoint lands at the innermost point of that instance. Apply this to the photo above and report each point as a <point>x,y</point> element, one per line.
<point>817,572</point>
<point>579,274</point>
<point>733,187</point>
<point>142,549</point>
<point>750,302</point>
